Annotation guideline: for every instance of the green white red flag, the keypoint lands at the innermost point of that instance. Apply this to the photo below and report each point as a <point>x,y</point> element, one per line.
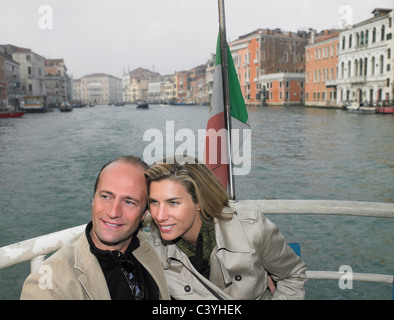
<point>215,156</point>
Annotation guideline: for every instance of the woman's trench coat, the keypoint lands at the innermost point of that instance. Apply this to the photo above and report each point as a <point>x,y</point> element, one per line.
<point>248,248</point>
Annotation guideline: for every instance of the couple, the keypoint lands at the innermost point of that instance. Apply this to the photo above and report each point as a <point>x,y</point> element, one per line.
<point>201,249</point>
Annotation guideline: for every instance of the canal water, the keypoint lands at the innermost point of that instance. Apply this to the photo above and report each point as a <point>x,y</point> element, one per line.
<point>48,164</point>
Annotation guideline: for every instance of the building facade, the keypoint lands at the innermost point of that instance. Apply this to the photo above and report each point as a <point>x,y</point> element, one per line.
<point>58,83</point>
<point>11,93</point>
<point>282,89</point>
<point>31,71</point>
<point>364,62</point>
<point>98,88</point>
<point>135,85</point>
<point>321,69</point>
<point>168,89</point>
<point>3,83</point>
<point>263,52</point>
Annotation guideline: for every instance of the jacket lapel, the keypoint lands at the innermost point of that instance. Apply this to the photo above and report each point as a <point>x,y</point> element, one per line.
<point>145,254</point>
<point>231,246</point>
<point>230,236</point>
<point>91,276</point>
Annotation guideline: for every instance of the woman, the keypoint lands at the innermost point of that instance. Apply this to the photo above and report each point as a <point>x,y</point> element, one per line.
<point>209,251</point>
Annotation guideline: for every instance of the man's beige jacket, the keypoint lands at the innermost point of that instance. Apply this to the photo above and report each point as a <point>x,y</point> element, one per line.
<point>73,273</point>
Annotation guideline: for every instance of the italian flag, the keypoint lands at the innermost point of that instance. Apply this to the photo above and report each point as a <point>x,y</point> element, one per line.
<point>215,155</point>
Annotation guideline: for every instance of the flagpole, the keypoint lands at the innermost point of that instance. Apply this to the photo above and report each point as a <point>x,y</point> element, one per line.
<point>226,95</point>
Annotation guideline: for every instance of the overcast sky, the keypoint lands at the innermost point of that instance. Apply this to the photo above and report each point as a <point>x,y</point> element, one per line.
<point>164,35</point>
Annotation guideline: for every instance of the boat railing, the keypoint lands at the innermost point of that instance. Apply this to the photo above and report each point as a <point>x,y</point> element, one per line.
<point>35,250</point>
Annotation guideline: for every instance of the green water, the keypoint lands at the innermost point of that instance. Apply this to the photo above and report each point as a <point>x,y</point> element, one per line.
<point>48,164</point>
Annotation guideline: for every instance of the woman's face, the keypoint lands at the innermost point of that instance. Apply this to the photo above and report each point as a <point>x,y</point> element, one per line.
<point>173,210</point>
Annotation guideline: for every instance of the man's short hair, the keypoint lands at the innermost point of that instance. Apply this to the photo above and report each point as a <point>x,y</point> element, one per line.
<point>129,159</point>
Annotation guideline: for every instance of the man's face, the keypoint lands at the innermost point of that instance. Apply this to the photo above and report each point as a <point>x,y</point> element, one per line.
<point>118,205</point>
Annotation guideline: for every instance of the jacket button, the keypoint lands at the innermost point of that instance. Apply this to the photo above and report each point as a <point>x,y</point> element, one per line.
<point>187,288</point>
<point>238,277</point>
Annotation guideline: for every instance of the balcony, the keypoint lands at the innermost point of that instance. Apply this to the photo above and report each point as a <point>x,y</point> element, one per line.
<point>358,79</point>
<point>331,83</point>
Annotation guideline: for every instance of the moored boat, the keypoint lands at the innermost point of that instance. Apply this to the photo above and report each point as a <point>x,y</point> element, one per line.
<point>65,107</point>
<point>11,114</point>
<point>82,105</point>
<point>143,106</point>
<point>360,108</point>
<point>385,109</point>
<point>36,104</point>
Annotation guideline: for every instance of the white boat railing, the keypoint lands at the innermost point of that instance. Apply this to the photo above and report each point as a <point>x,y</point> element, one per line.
<point>35,250</point>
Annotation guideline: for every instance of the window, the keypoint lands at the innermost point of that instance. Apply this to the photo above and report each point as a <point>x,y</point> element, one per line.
<point>382,33</point>
<point>361,66</point>
<point>365,66</point>
<point>373,66</point>
<point>381,64</point>
<point>342,70</point>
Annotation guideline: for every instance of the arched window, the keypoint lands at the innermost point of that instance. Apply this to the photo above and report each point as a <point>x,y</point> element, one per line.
<point>362,37</point>
<point>374,35</point>
<point>357,39</point>
<point>382,34</point>
<point>356,68</point>
<point>349,69</point>
<point>343,43</point>
<point>350,41</point>
<point>366,36</point>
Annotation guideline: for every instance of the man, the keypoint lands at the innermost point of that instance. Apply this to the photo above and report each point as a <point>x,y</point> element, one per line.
<point>112,259</point>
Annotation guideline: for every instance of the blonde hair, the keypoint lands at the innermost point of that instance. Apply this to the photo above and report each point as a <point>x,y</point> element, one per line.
<point>199,182</point>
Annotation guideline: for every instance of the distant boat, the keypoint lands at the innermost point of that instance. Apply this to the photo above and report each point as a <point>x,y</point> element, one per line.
<point>65,107</point>
<point>120,104</point>
<point>36,104</point>
<point>11,114</point>
<point>385,109</point>
<point>183,103</point>
<point>357,108</point>
<point>143,106</point>
<point>79,105</point>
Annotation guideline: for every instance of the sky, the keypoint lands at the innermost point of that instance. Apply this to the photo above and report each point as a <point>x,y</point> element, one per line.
<point>102,36</point>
